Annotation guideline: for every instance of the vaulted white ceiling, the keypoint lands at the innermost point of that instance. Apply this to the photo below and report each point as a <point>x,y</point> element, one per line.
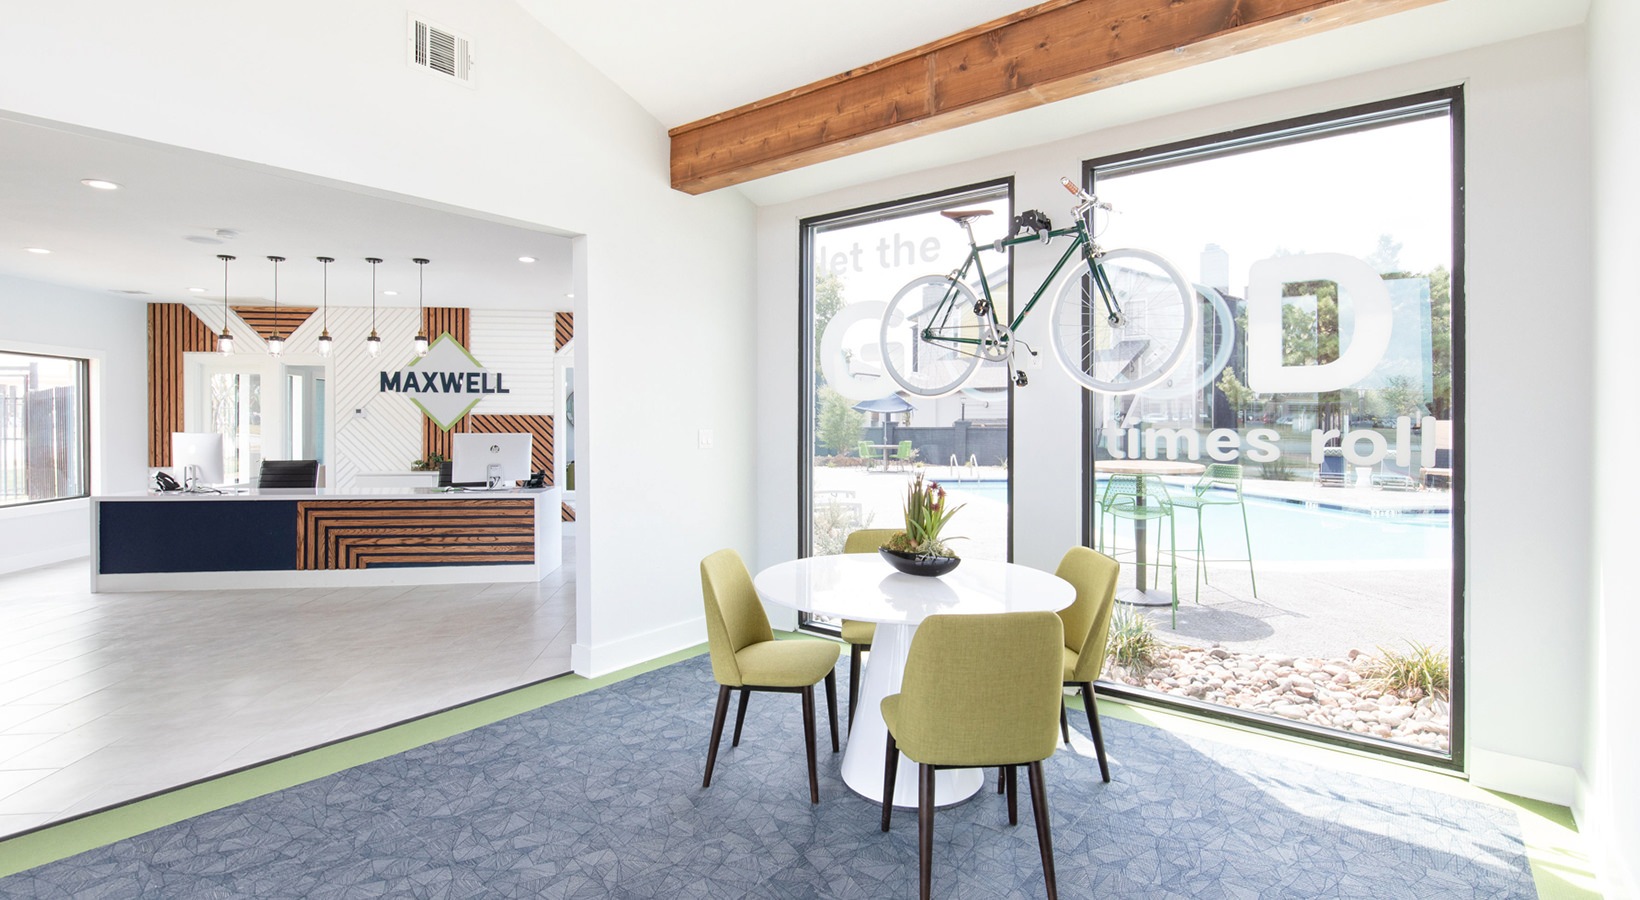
<point>681,62</point>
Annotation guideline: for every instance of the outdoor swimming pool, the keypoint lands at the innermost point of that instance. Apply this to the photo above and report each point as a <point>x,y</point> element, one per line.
<point>1283,531</point>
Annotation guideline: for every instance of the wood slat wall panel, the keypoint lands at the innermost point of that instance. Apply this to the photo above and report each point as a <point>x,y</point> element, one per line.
<point>563,329</point>
<point>359,534</point>
<point>540,427</point>
<point>262,318</point>
<point>172,331</point>
<point>457,323</point>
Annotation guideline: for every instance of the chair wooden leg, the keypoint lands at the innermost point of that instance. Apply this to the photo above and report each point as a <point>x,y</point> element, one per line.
<point>925,830</point>
<point>831,707</point>
<point>808,743</point>
<point>1064,723</point>
<point>1092,707</point>
<point>740,716</point>
<point>854,651</point>
<point>891,767</point>
<point>1013,794</point>
<point>1044,840</point>
<point>717,731</point>
<point>1000,779</point>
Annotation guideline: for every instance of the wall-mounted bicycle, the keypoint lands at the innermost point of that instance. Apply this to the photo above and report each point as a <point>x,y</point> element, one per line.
<point>1121,321</point>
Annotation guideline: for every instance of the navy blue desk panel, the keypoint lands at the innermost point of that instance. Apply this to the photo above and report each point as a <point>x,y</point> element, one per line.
<point>197,536</point>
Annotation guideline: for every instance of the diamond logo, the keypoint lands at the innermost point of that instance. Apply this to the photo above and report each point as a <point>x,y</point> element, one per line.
<point>446,383</point>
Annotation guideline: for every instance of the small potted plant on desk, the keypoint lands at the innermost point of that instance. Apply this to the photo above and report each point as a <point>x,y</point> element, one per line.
<point>430,464</point>
<point>919,550</point>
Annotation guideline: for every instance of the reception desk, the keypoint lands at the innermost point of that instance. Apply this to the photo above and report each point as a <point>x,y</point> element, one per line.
<point>323,538</point>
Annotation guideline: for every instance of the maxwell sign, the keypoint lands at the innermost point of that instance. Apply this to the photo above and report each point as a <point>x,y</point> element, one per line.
<point>446,383</point>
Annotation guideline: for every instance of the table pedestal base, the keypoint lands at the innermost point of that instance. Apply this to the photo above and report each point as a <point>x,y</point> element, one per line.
<point>1145,597</point>
<point>867,743</point>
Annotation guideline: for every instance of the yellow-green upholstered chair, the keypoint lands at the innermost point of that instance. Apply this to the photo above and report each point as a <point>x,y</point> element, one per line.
<point>746,657</point>
<point>859,635</point>
<point>978,691</point>
<point>1087,634</point>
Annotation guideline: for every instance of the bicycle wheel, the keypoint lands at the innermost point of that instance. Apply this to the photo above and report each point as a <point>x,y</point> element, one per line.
<point>1158,310</point>
<point>930,347</point>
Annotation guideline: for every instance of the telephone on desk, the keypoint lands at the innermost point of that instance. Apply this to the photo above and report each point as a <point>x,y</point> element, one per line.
<point>164,482</point>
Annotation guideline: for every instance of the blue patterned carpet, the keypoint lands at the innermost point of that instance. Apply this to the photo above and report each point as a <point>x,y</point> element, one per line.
<point>598,796</point>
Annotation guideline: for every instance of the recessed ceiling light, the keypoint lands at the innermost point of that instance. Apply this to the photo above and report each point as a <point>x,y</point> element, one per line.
<point>40,250</point>
<point>99,184</point>
<point>390,293</point>
<point>526,259</point>
<point>196,290</point>
<point>569,296</point>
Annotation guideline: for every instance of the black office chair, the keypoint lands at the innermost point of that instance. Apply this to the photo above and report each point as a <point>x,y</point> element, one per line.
<point>289,473</point>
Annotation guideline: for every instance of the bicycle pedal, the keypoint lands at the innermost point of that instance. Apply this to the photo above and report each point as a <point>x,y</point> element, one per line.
<point>1020,379</point>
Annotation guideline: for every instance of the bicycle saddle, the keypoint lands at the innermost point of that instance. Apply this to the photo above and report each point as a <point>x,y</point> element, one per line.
<point>963,215</point>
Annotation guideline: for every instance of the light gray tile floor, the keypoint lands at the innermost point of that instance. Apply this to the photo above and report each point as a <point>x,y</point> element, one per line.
<point>108,697</point>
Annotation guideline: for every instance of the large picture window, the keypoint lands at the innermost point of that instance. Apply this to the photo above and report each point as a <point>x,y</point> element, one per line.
<point>1304,458</point>
<point>864,438</point>
<point>43,433</point>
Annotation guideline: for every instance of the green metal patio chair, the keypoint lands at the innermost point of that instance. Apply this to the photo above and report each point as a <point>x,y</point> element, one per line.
<point>1141,498</point>
<point>867,452</point>
<point>904,454</point>
<point>1219,485</point>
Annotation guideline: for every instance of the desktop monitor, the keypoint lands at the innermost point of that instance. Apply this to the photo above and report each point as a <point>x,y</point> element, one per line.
<point>473,455</point>
<point>197,457</point>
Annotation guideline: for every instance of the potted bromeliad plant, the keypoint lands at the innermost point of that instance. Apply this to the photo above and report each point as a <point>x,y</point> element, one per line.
<point>919,549</point>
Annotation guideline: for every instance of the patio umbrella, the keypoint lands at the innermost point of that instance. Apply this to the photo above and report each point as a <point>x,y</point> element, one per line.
<point>893,403</point>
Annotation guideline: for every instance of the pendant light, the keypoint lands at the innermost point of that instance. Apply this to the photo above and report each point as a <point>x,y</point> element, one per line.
<point>421,326</point>
<point>224,341</point>
<point>324,335</point>
<point>276,343</point>
<point>374,342</point>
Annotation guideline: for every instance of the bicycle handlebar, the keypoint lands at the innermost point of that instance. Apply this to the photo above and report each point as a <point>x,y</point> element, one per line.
<point>1085,200</point>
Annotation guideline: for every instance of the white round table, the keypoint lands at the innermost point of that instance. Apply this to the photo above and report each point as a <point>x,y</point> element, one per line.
<point>863,587</point>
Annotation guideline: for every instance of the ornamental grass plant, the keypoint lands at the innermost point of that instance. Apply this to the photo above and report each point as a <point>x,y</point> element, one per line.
<point>926,516</point>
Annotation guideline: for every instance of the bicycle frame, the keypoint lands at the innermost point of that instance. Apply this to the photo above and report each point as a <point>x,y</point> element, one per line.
<point>1081,241</point>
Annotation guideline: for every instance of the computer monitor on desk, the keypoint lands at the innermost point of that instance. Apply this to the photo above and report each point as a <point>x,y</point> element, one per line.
<point>495,461</point>
<point>197,458</point>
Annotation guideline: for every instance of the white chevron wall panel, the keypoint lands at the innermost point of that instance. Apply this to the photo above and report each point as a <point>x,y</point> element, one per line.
<point>519,344</point>
<point>387,436</point>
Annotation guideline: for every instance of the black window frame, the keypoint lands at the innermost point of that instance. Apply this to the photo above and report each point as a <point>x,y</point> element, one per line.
<point>1445,101</point>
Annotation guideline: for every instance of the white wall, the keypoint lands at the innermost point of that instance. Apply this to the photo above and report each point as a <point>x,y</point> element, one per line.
<point>663,296</point>
<point>1528,199</point>
<point>111,332</point>
<point>1607,806</point>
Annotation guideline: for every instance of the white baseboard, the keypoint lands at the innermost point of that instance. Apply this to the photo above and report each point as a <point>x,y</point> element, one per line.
<point>1530,778</point>
<point>591,661</point>
<point>18,562</point>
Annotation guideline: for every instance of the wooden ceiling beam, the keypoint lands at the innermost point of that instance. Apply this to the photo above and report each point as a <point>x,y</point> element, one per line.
<point>1049,52</point>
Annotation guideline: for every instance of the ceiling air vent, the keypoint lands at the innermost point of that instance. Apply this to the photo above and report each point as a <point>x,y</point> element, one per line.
<point>440,51</point>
